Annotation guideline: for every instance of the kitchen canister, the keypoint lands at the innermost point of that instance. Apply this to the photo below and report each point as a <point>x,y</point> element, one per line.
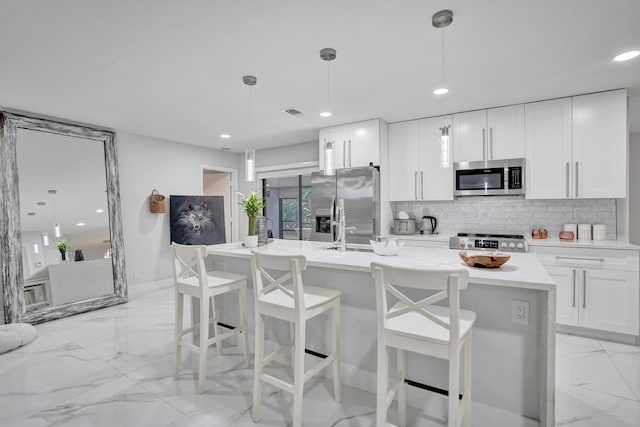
<point>261,229</point>
<point>584,231</point>
<point>571,227</point>
<point>599,232</point>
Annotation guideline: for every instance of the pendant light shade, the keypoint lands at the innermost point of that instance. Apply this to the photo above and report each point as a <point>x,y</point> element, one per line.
<point>328,54</point>
<point>45,238</point>
<point>36,248</point>
<point>250,154</point>
<point>442,19</point>
<point>444,146</point>
<point>250,164</point>
<point>57,232</point>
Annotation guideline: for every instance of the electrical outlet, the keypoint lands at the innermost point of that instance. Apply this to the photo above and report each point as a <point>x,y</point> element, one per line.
<point>577,212</point>
<point>520,312</point>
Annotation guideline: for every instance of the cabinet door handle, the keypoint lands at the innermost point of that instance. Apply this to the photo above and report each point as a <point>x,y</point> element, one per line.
<point>491,152</point>
<point>415,181</point>
<point>567,181</point>
<point>574,288</point>
<point>577,176</point>
<point>422,185</point>
<point>344,154</point>
<point>584,289</point>
<point>350,153</point>
<point>484,145</point>
<point>580,258</point>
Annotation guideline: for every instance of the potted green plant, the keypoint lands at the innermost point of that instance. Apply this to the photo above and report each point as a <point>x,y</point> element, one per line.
<point>252,205</point>
<point>62,247</point>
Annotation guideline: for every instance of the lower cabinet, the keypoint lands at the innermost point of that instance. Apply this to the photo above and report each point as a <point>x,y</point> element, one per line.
<point>596,292</point>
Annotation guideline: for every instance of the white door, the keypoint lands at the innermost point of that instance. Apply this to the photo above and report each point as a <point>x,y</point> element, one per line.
<point>600,145</point>
<point>506,132</point>
<point>470,136</point>
<point>609,300</point>
<point>548,149</point>
<point>436,181</point>
<point>404,138</point>
<point>363,144</point>
<point>567,294</point>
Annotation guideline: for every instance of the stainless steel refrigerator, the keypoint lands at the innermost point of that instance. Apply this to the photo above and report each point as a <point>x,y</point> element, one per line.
<point>360,189</point>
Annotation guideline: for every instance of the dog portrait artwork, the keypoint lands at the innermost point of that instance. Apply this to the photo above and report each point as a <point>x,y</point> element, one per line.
<point>197,220</point>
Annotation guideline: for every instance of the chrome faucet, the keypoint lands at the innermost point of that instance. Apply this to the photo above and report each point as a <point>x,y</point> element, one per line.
<point>341,216</point>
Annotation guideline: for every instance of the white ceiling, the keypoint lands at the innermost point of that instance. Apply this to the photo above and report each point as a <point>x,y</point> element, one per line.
<point>173,69</point>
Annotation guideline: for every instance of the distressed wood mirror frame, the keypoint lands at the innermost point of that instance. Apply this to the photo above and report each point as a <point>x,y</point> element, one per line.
<point>10,231</point>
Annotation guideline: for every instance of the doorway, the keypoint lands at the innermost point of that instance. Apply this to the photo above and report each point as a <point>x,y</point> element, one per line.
<point>288,206</point>
<point>217,182</point>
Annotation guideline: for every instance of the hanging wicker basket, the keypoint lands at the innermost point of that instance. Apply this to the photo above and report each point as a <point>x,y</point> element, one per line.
<point>157,202</point>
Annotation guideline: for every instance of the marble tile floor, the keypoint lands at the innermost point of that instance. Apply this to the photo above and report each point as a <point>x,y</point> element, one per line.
<point>113,367</point>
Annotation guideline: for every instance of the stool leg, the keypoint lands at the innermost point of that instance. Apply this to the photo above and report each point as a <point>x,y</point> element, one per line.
<point>178,334</point>
<point>258,366</point>
<point>242,295</point>
<point>454,373</point>
<point>335,331</point>
<point>402,391</point>
<point>467,381</point>
<point>298,371</point>
<point>204,338</point>
<point>216,328</point>
<point>381,393</point>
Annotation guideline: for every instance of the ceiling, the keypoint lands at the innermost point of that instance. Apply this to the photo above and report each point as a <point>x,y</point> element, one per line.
<point>173,70</point>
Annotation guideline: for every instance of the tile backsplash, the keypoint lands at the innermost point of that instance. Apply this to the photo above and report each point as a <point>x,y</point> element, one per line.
<point>512,214</point>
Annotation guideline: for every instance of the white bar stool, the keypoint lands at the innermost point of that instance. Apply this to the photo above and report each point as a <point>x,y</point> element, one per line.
<point>296,304</point>
<point>193,280</point>
<point>420,327</point>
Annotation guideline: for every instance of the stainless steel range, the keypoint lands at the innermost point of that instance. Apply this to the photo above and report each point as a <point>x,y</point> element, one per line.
<point>489,242</point>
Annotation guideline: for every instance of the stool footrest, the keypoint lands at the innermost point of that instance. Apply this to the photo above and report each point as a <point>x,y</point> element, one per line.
<point>276,382</point>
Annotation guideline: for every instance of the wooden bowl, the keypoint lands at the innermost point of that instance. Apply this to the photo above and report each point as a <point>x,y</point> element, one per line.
<point>484,259</point>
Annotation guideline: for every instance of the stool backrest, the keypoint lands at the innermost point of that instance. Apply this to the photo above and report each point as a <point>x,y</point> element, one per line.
<point>446,282</point>
<point>188,264</point>
<point>286,268</point>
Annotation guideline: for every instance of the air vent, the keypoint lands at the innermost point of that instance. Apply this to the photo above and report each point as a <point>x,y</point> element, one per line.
<point>294,111</point>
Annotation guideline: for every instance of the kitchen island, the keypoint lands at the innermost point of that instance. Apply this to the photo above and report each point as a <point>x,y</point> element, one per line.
<point>513,363</point>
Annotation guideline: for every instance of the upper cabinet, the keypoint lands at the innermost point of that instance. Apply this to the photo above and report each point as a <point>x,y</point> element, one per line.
<point>354,144</point>
<point>493,134</point>
<point>577,147</point>
<point>415,170</point>
<point>600,145</point>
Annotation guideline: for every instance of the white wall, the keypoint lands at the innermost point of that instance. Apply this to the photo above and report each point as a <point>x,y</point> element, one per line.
<point>171,168</point>
<point>297,153</point>
<point>217,184</point>
<point>634,188</point>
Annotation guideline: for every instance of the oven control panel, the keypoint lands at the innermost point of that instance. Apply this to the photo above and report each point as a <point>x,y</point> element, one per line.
<point>496,242</point>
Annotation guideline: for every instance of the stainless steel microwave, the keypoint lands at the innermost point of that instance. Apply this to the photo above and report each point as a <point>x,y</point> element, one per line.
<point>490,178</point>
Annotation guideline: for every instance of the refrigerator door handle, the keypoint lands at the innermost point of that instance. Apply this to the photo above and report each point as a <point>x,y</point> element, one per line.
<point>331,217</point>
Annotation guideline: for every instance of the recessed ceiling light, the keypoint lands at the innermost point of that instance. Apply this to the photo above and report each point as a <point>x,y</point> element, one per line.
<point>41,203</point>
<point>627,55</point>
<point>80,224</point>
<point>325,114</point>
<point>99,210</point>
<point>440,91</point>
<point>225,135</point>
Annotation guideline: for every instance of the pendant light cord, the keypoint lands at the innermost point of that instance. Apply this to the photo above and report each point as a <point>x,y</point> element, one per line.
<point>328,93</point>
<point>442,34</point>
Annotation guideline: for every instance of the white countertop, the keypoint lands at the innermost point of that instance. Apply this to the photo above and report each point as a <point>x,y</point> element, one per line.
<point>587,244</point>
<point>522,270</point>
<point>440,237</point>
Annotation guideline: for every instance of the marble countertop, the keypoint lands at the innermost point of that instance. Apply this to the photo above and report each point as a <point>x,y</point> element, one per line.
<point>522,270</point>
<point>588,244</point>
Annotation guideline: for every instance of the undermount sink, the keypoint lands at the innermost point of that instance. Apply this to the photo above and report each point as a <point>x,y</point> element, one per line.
<point>352,248</point>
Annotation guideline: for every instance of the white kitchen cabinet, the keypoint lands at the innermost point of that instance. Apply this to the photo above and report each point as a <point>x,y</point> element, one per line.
<point>600,145</point>
<point>596,289</point>
<point>415,172</point>
<point>493,134</point>
<point>548,149</point>
<point>355,144</point>
<point>577,147</point>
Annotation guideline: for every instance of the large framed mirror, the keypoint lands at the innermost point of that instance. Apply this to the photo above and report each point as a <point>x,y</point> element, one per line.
<point>60,220</point>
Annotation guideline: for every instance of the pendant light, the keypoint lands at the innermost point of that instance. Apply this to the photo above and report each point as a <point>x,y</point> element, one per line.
<point>328,54</point>
<point>250,154</point>
<point>36,246</point>
<point>57,231</point>
<point>442,19</point>
<point>444,146</point>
